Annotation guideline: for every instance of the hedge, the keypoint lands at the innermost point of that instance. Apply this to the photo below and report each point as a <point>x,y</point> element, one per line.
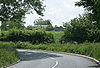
<point>34,37</point>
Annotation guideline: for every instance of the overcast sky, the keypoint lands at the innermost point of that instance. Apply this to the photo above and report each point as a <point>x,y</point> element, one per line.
<point>58,11</point>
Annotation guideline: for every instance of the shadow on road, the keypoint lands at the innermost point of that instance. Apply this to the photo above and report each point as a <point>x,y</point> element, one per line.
<point>28,56</point>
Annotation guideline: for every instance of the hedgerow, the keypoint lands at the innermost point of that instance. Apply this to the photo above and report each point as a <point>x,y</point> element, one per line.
<point>34,37</point>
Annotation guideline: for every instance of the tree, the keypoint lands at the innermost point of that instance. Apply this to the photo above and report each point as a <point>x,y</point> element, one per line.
<point>80,30</point>
<point>58,28</point>
<point>49,28</point>
<point>15,10</point>
<point>40,21</point>
<point>11,24</point>
<point>29,27</point>
<point>44,24</point>
<point>93,8</point>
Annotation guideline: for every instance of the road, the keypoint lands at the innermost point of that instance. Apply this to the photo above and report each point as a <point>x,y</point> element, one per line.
<point>40,59</point>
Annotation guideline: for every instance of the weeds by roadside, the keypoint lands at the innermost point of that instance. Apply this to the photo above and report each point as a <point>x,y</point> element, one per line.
<point>8,54</point>
<point>88,49</point>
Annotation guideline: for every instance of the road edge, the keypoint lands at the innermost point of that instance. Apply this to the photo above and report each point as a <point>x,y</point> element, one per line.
<point>73,54</point>
<point>84,56</point>
<point>87,57</point>
<point>11,64</point>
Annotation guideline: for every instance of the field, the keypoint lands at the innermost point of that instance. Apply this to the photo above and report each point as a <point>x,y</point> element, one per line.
<point>57,35</point>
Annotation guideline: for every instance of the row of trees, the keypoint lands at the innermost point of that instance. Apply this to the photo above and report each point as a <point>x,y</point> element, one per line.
<point>47,28</point>
<point>39,24</point>
<point>45,25</point>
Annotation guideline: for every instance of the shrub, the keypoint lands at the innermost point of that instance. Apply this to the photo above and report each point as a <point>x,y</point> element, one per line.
<point>22,45</point>
<point>34,37</point>
<point>81,30</point>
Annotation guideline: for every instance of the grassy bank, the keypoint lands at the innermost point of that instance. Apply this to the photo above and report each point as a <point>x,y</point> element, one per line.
<point>88,49</point>
<point>8,54</point>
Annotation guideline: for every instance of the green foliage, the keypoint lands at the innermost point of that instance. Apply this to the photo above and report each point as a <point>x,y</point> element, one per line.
<point>49,28</point>
<point>12,12</point>
<point>93,9</point>
<point>60,28</point>
<point>23,45</point>
<point>43,24</point>
<point>57,35</point>
<point>29,27</point>
<point>80,30</point>
<point>8,54</point>
<point>34,37</point>
<point>88,49</point>
<point>40,21</point>
<point>12,24</point>
<point>16,9</point>
<point>38,28</point>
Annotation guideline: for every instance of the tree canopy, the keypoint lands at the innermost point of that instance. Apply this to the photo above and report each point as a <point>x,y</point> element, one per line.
<point>11,24</point>
<point>16,9</point>
<point>80,30</point>
<point>93,8</point>
<point>40,21</point>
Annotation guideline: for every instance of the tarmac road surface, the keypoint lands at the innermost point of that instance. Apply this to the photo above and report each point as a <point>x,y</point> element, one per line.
<point>40,59</point>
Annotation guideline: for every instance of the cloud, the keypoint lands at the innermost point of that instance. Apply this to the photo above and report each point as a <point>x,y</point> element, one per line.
<point>58,11</point>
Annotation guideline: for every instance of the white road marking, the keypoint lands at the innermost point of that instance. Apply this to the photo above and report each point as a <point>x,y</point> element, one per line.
<point>55,63</point>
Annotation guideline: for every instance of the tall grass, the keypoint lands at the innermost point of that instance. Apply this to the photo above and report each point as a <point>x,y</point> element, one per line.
<point>8,54</point>
<point>88,49</point>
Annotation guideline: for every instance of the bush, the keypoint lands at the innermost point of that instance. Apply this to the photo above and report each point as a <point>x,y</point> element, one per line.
<point>34,37</point>
<point>22,45</point>
<point>81,30</point>
<point>8,54</point>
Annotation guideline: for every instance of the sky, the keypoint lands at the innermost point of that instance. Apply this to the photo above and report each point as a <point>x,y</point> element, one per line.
<point>58,11</point>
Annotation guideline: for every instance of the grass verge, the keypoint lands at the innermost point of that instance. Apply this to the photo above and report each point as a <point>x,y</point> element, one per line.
<point>88,49</point>
<point>8,54</point>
